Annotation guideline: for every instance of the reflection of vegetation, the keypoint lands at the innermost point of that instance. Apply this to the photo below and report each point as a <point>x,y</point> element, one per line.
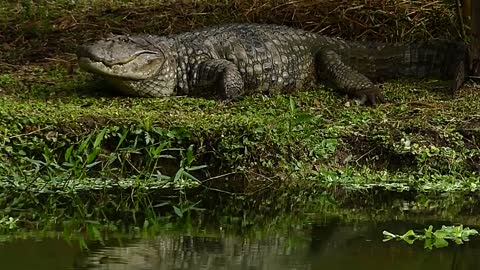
<point>437,238</point>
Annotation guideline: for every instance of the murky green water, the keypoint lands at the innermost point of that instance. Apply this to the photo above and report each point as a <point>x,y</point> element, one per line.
<point>327,246</point>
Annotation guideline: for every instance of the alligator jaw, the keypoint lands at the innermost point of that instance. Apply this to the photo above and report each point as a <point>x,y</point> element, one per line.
<point>132,70</point>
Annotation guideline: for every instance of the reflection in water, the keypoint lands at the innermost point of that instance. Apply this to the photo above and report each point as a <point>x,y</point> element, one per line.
<point>321,247</point>
<point>183,252</point>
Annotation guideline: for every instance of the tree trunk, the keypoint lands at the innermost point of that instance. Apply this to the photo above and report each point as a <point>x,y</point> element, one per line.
<point>475,34</point>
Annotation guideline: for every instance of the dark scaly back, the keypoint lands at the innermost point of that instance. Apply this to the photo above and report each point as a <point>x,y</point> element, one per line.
<point>440,59</point>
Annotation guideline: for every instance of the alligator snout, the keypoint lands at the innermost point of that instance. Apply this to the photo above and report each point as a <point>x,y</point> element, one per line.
<point>88,51</point>
<point>111,55</point>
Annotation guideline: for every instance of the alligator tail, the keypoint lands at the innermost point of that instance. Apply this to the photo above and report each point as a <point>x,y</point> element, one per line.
<point>440,59</point>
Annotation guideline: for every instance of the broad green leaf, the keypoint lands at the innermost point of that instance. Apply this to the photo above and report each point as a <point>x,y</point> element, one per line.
<point>67,164</point>
<point>440,234</point>
<point>122,138</point>
<point>440,242</point>
<point>408,234</point>
<point>95,232</point>
<point>293,106</point>
<point>303,118</point>
<point>84,144</point>
<point>458,241</point>
<point>92,156</point>
<point>428,243</point>
<point>468,232</point>
<point>179,174</point>
<point>177,211</point>
<point>409,240</point>
<point>190,154</point>
<point>190,176</point>
<point>99,138</point>
<point>156,152</point>
<point>68,152</point>
<point>163,177</point>
<point>428,232</point>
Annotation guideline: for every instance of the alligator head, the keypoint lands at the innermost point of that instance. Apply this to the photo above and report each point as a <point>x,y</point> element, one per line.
<point>140,65</point>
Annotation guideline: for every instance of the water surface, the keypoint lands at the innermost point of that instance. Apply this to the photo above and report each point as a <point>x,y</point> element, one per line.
<point>326,246</point>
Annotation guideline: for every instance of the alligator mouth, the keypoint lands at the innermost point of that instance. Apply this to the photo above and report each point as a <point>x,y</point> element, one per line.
<point>139,66</point>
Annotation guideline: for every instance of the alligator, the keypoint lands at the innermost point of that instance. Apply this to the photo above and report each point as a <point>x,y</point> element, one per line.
<point>229,61</point>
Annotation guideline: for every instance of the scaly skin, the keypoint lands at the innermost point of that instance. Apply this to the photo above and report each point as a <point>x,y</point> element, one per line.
<point>233,60</point>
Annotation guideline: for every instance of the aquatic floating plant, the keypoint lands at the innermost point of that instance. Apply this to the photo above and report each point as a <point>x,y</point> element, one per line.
<point>438,238</point>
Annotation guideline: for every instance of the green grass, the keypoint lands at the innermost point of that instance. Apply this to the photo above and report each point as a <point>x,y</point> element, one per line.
<point>65,139</point>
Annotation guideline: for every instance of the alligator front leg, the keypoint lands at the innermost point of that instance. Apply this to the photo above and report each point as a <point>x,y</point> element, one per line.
<point>334,71</point>
<point>219,76</point>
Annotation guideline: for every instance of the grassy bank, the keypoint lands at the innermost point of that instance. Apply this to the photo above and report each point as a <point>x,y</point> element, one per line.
<point>73,150</point>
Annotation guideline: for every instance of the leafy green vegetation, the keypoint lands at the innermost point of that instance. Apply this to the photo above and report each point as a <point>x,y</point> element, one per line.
<point>73,153</point>
<point>76,153</point>
<point>435,239</point>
